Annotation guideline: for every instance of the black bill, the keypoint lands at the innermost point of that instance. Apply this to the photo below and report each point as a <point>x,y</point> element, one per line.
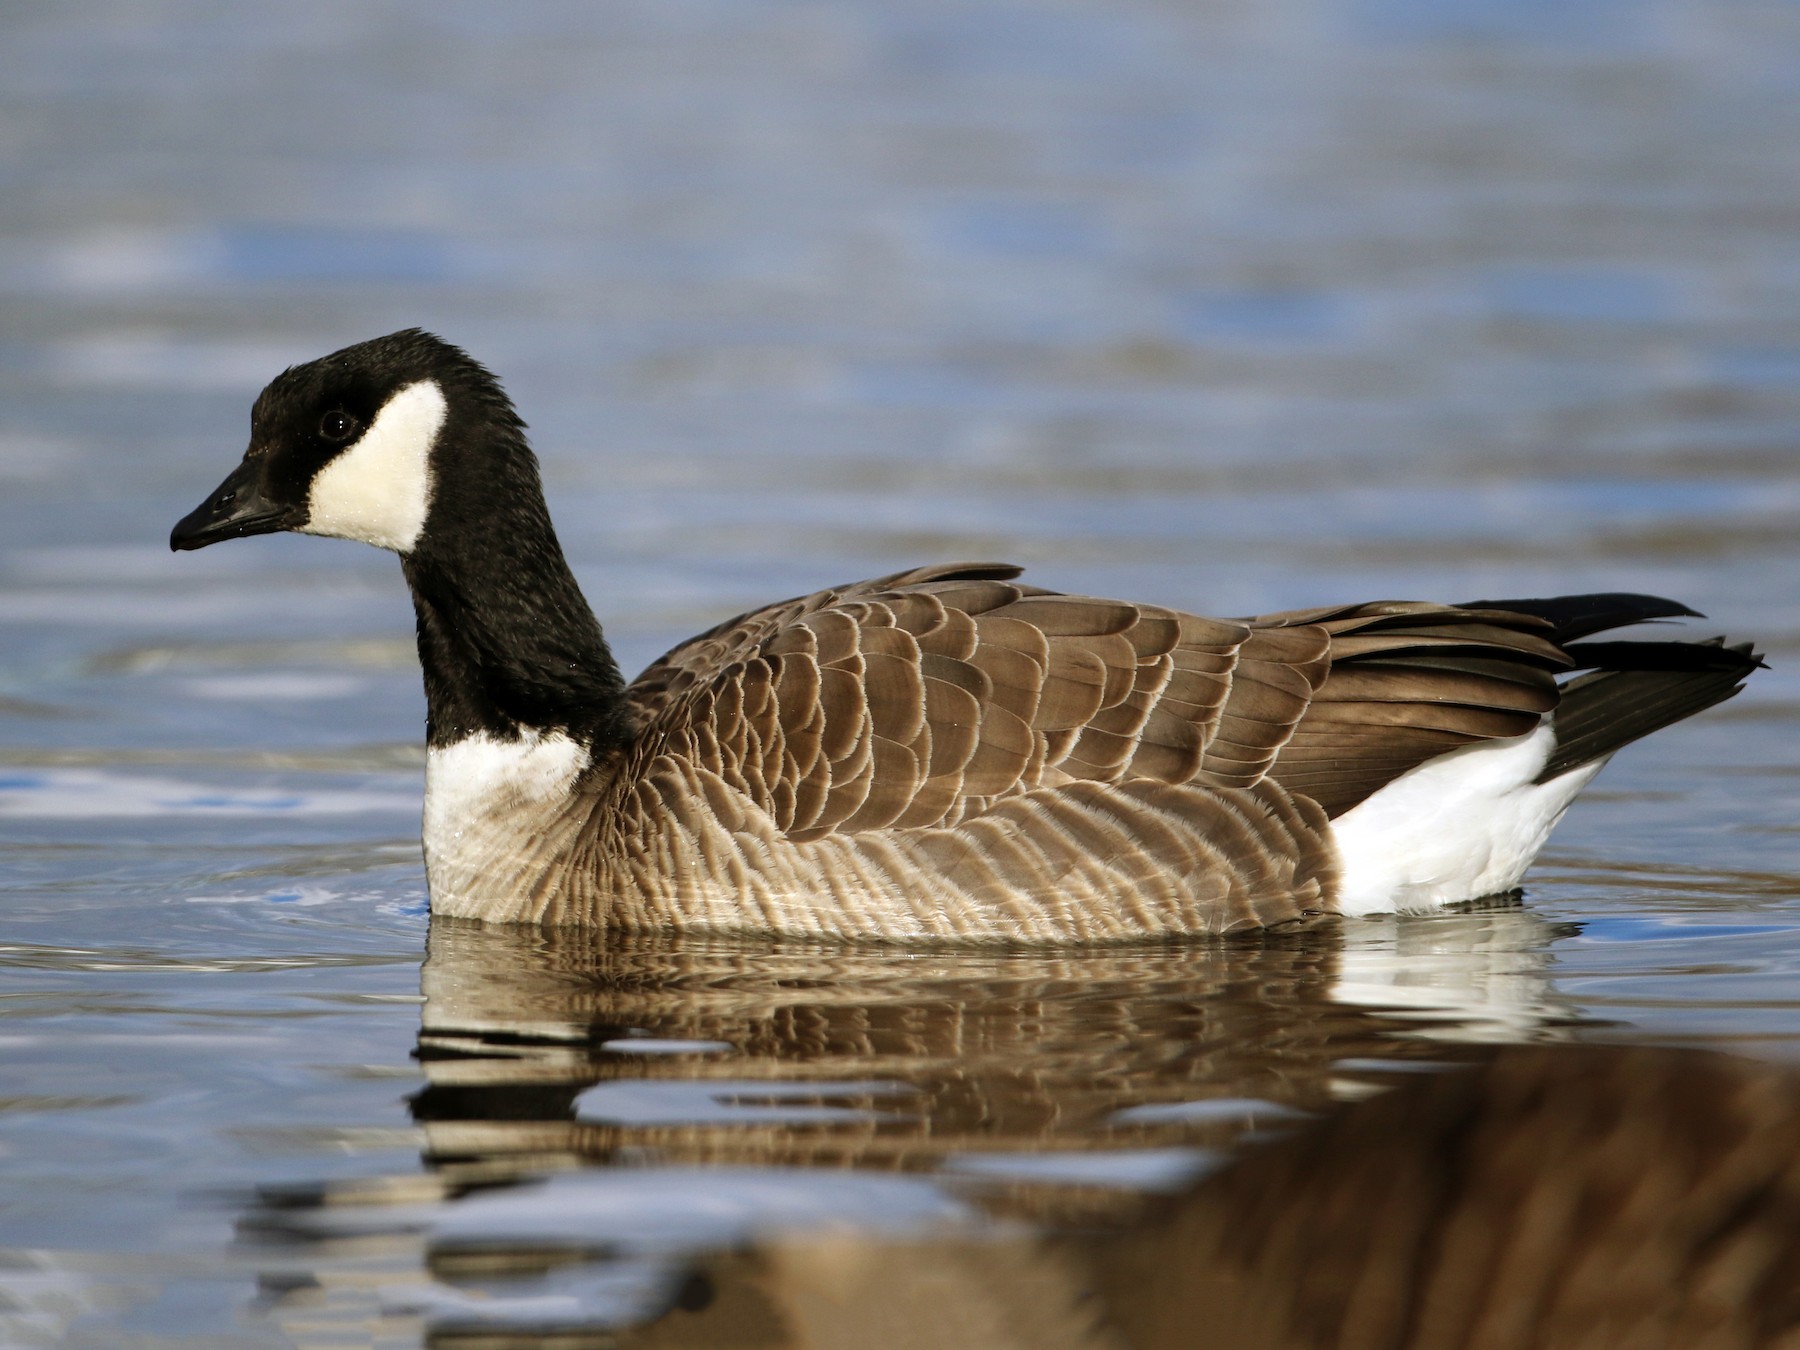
<point>236,509</point>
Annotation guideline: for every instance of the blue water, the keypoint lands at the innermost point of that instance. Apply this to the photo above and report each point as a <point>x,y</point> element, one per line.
<point>1229,308</point>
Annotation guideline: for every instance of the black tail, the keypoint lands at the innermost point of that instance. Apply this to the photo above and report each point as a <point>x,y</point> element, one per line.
<point>1576,616</point>
<point>1608,708</point>
<point>1631,688</point>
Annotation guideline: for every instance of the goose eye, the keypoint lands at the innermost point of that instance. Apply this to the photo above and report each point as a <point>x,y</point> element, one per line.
<point>336,425</point>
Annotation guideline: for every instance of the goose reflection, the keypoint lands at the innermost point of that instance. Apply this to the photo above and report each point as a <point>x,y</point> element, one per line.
<point>599,1107</point>
<point>587,1049</point>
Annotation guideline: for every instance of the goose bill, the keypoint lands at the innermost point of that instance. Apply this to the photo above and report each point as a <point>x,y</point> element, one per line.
<point>237,508</point>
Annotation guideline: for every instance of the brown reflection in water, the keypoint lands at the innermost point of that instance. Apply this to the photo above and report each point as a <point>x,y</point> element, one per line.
<point>934,1058</point>
<point>993,1051</point>
<point>1565,1198</point>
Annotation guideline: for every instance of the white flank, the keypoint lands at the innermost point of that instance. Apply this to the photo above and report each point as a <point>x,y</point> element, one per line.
<point>484,779</point>
<point>1458,827</point>
<point>378,490</point>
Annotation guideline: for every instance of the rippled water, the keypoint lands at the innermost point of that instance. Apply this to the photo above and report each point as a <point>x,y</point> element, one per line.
<point>1231,306</point>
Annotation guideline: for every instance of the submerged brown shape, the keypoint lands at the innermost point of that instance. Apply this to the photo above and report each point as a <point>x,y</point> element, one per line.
<point>1573,1197</point>
<point>1555,1198</point>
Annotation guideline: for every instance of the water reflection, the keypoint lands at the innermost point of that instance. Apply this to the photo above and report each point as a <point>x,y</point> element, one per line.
<point>601,1107</point>
<point>1480,975</point>
<point>913,1056</point>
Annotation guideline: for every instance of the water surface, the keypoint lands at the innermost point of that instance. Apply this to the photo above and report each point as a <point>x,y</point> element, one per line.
<point>1231,307</point>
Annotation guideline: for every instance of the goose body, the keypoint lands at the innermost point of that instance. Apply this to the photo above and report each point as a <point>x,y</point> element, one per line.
<point>944,753</point>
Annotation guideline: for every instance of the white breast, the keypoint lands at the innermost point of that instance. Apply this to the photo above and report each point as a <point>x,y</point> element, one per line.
<point>378,490</point>
<point>485,794</point>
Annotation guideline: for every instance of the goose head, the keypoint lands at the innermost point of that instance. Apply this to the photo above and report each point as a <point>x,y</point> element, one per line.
<point>351,446</point>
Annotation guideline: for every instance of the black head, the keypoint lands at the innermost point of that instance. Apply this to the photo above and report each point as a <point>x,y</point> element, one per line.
<point>345,445</point>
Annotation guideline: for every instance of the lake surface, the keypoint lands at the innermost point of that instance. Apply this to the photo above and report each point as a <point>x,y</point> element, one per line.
<point>1234,307</point>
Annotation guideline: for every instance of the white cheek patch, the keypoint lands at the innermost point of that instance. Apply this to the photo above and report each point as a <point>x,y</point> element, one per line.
<point>379,489</point>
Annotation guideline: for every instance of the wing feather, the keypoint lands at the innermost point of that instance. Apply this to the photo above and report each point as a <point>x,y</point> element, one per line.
<point>929,697</point>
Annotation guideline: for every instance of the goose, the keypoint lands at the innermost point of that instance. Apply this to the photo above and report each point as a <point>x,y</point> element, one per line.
<point>945,753</point>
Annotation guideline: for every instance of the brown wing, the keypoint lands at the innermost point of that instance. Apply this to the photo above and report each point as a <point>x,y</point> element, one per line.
<point>922,698</point>
<point>1407,682</point>
<point>925,697</point>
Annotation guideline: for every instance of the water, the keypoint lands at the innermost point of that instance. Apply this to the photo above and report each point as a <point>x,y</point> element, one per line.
<point>1233,307</point>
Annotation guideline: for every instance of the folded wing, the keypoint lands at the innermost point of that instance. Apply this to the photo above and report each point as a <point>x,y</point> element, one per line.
<point>926,697</point>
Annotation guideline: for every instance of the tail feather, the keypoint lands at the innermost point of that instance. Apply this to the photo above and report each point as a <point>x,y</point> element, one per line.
<point>1631,688</point>
<point>1641,687</point>
<point>1576,616</point>
<point>1711,654</point>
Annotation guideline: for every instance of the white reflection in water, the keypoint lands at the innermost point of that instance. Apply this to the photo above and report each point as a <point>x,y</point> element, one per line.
<point>639,1229</point>
<point>283,686</point>
<point>94,794</point>
<point>1139,1169</point>
<point>105,261</point>
<point>162,361</point>
<point>728,1102</point>
<point>662,1209</point>
<point>655,1045</point>
<point>300,897</point>
<point>1485,975</point>
<point>618,1293</point>
<point>1247,1110</point>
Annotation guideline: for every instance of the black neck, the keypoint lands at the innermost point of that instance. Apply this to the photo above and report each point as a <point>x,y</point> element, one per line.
<point>505,638</point>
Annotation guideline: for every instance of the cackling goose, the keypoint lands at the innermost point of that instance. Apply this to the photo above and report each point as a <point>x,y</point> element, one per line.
<point>944,753</point>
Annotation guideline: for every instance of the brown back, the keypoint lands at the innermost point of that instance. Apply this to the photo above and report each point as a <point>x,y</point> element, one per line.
<point>925,697</point>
